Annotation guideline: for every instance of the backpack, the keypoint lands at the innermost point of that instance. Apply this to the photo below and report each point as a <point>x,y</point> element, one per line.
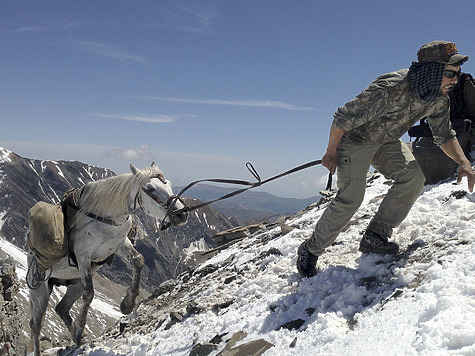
<point>462,109</point>
<point>46,238</point>
<point>469,97</point>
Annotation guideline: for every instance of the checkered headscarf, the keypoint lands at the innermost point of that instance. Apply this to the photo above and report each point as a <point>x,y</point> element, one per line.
<point>425,78</point>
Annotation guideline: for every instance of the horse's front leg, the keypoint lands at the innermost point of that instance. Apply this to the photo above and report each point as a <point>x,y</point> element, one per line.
<point>128,251</point>
<point>87,296</point>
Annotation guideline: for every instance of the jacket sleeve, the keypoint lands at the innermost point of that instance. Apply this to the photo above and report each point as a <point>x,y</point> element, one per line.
<point>439,123</point>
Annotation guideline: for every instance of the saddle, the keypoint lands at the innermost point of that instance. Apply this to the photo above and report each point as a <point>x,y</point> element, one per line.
<point>70,207</point>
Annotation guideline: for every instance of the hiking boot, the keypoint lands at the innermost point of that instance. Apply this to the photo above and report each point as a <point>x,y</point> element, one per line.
<point>376,243</point>
<point>306,261</point>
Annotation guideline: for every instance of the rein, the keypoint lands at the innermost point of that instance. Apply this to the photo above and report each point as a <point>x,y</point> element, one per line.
<point>249,185</point>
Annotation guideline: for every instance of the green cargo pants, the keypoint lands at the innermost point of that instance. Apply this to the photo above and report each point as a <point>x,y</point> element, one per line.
<point>395,161</point>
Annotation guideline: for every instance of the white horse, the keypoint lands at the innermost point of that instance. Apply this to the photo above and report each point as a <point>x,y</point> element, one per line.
<point>98,231</point>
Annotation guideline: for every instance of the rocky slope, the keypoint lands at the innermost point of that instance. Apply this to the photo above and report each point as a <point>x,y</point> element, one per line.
<point>248,299</point>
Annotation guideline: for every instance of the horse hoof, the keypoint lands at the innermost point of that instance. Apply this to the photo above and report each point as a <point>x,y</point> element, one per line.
<point>128,303</point>
<point>126,308</point>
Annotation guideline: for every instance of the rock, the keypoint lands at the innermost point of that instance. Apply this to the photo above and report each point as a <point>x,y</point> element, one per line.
<point>293,343</point>
<point>237,233</point>
<point>272,251</point>
<point>163,288</point>
<point>285,229</point>
<point>234,340</point>
<point>12,335</point>
<point>207,270</point>
<point>310,311</point>
<point>175,317</point>
<point>203,349</point>
<point>254,348</point>
<point>291,325</point>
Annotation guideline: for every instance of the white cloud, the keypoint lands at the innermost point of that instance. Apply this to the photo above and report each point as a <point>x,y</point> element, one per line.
<point>106,50</point>
<point>141,153</point>
<point>142,118</point>
<point>196,17</point>
<point>65,26</point>
<point>230,102</point>
<point>203,15</point>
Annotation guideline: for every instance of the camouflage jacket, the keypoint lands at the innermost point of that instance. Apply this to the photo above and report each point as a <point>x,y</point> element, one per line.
<point>387,108</point>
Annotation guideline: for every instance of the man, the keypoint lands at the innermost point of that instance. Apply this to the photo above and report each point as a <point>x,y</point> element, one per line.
<point>366,131</point>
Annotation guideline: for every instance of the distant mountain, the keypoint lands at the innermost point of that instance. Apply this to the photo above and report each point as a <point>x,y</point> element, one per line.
<point>250,206</point>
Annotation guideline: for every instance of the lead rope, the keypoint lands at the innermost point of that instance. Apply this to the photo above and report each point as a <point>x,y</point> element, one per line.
<point>249,185</point>
<point>35,275</point>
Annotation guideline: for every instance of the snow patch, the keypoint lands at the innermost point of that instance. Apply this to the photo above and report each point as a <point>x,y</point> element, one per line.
<point>5,155</point>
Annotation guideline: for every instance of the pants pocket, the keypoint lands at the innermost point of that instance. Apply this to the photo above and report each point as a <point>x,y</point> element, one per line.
<point>343,169</point>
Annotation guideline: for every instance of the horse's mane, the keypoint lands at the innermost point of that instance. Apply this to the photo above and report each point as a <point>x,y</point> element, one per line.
<point>108,197</point>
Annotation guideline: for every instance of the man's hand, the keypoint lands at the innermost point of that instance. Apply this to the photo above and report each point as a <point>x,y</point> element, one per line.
<point>466,170</point>
<point>330,161</point>
<point>453,150</point>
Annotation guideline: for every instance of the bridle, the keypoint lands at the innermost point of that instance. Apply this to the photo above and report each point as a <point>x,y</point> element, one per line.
<point>168,205</point>
<point>170,201</point>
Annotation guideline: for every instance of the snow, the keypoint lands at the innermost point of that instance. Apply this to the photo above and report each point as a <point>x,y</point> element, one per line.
<point>421,303</point>
<point>5,155</point>
<point>60,172</point>
<point>102,304</point>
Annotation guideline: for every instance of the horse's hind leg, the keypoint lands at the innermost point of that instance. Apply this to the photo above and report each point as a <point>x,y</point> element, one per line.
<point>87,296</point>
<point>38,303</point>
<point>73,292</point>
<point>128,251</point>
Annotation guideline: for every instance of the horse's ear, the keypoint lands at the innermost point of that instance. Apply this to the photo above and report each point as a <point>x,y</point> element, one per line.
<point>133,169</point>
<point>154,165</point>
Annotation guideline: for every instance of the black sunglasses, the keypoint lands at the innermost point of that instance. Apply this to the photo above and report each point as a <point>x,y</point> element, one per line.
<point>451,73</point>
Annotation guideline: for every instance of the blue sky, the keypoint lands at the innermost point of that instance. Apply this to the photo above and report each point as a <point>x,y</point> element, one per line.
<point>201,87</point>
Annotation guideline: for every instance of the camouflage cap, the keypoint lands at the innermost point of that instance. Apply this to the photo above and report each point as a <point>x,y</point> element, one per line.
<point>441,51</point>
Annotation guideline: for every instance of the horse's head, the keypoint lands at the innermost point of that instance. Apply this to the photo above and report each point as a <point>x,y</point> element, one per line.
<point>156,197</point>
